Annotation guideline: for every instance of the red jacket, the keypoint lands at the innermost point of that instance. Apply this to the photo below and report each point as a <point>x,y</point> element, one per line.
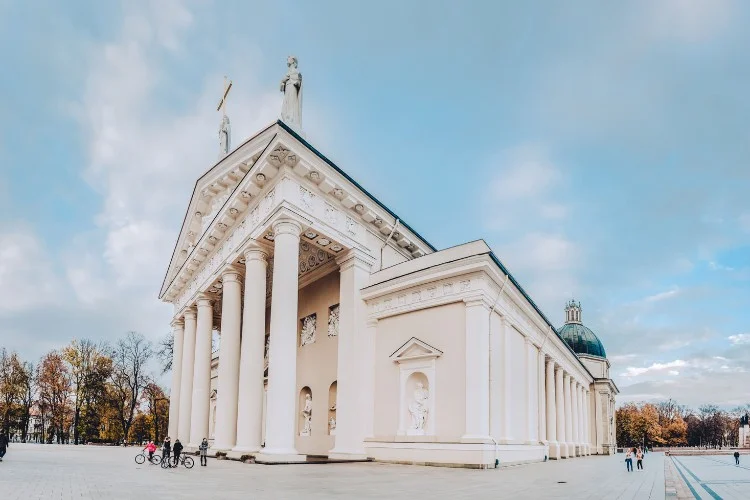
<point>150,447</point>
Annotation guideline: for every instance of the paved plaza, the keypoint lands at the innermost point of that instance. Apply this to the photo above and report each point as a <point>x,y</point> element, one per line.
<point>32,471</point>
<point>715,476</point>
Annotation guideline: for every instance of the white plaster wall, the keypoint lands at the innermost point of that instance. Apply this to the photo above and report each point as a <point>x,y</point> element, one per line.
<point>390,256</point>
<point>317,362</point>
<point>444,328</point>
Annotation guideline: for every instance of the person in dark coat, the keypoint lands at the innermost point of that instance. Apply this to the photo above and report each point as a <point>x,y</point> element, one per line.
<point>177,449</point>
<point>203,447</point>
<point>166,451</point>
<point>737,457</point>
<point>3,445</point>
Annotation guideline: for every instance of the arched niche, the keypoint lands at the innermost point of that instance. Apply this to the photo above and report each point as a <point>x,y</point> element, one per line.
<point>332,390</point>
<point>417,388</point>
<point>304,425</point>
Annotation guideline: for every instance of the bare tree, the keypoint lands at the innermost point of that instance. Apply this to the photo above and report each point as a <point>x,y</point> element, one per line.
<point>164,351</point>
<point>27,399</point>
<point>129,377</point>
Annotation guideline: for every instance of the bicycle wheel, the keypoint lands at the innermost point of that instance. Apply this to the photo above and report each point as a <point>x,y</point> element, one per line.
<point>140,458</point>
<point>165,464</point>
<point>156,460</point>
<point>188,462</point>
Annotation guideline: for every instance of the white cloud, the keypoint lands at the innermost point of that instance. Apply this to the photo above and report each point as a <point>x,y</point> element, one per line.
<point>689,20</point>
<point>663,295</point>
<point>740,339</point>
<point>633,371</point>
<point>27,277</point>
<point>715,266</point>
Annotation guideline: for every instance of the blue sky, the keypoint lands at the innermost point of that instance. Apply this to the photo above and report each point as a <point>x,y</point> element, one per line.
<point>601,149</point>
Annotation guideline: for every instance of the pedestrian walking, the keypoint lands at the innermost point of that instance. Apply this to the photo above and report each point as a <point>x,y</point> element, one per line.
<point>639,459</point>
<point>177,449</point>
<point>166,451</point>
<point>629,459</point>
<point>203,447</point>
<point>3,445</point>
<point>737,458</point>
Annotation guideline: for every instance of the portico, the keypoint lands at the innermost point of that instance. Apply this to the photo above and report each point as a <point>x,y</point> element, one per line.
<point>344,333</point>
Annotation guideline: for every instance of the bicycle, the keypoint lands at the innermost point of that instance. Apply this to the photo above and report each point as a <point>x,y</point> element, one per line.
<point>142,457</point>
<point>184,460</point>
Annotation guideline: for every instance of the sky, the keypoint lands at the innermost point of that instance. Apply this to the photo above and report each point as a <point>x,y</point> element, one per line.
<point>600,148</point>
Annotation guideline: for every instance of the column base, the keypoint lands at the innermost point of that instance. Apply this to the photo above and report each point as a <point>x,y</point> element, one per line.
<point>554,450</point>
<point>280,458</point>
<point>347,455</point>
<point>237,453</point>
<point>221,447</point>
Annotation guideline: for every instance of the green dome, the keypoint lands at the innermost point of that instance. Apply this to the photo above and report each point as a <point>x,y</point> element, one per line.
<point>582,340</point>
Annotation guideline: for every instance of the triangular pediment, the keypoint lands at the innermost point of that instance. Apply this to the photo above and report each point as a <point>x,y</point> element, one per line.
<point>415,349</point>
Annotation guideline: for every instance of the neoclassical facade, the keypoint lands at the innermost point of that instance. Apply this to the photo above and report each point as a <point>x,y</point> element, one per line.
<point>345,334</point>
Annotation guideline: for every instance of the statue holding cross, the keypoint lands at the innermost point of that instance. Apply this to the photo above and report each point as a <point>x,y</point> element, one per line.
<point>224,128</point>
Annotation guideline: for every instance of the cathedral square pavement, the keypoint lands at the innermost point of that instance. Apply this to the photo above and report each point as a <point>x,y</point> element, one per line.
<point>32,471</point>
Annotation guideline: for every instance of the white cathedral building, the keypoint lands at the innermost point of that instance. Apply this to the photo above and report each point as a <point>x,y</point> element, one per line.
<point>344,334</point>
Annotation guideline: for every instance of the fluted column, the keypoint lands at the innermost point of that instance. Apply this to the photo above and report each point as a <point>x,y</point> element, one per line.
<point>541,397</point>
<point>532,424</point>
<point>250,403</point>
<point>202,373</point>
<point>229,366</point>
<point>355,355</point>
<point>178,334</point>
<point>560,410</point>
<point>281,413</point>
<point>186,381</point>
<point>568,417</point>
<point>574,412</point>
<point>477,339</point>
<point>554,448</point>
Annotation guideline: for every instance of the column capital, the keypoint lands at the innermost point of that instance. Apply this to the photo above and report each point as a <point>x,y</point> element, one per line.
<point>478,301</point>
<point>205,300</point>
<point>355,257</point>
<point>190,313</point>
<point>230,273</point>
<point>371,323</point>
<point>286,226</point>
<point>177,323</point>
<point>255,252</point>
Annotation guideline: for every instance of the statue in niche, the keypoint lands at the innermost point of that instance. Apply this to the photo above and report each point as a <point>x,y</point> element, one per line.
<point>307,335</point>
<point>307,416</point>
<point>291,86</point>
<point>418,410</point>
<point>332,426</point>
<point>333,321</point>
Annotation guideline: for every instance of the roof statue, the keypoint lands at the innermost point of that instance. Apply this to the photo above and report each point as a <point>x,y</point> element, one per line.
<point>225,131</point>
<point>291,86</point>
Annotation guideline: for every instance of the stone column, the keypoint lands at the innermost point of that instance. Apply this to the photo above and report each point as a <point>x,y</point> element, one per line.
<point>202,373</point>
<point>532,423</point>
<point>587,404</point>
<point>281,415</point>
<point>229,365</point>
<point>507,380</point>
<point>250,402</point>
<point>560,409</point>
<point>581,420</point>
<point>574,415</point>
<point>554,448</point>
<point>568,417</point>
<point>186,380</point>
<point>355,355</point>
<point>178,334</point>
<point>541,398</point>
<point>477,340</point>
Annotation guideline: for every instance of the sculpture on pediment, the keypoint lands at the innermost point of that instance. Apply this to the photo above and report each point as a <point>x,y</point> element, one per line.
<point>307,416</point>
<point>224,136</point>
<point>418,409</point>
<point>291,86</point>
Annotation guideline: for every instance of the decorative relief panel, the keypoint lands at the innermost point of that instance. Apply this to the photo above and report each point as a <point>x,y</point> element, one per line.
<point>307,334</point>
<point>307,198</point>
<point>311,257</point>
<point>427,292</point>
<point>331,215</point>
<point>333,321</point>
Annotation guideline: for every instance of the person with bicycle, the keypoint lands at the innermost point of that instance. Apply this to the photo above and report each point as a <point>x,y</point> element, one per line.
<point>166,451</point>
<point>150,448</point>
<point>177,449</point>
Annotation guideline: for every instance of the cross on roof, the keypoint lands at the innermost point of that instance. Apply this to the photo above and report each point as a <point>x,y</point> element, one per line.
<point>223,102</point>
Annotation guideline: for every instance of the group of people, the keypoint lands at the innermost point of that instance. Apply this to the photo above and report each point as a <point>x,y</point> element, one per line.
<point>638,452</point>
<point>168,449</point>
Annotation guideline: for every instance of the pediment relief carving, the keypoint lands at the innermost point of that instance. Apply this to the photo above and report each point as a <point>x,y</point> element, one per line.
<point>415,349</point>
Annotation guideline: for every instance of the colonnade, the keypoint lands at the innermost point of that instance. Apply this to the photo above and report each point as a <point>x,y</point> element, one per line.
<point>567,402</point>
<point>239,420</point>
